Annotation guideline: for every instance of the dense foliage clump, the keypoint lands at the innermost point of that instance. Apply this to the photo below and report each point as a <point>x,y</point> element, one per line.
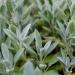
<point>37,37</point>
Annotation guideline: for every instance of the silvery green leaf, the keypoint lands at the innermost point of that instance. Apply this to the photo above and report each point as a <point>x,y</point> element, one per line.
<point>73,61</point>
<point>63,53</point>
<point>29,69</point>
<point>69,2</point>
<point>19,3</point>
<point>29,49</point>
<point>61,59</point>
<point>48,6</point>
<point>56,4</point>
<point>43,16</point>
<point>5,51</point>
<point>39,4</point>
<point>15,17</point>
<point>38,71</point>
<point>18,32</point>
<point>9,67</point>
<point>67,61</point>
<point>71,26</point>
<point>26,10</point>
<point>18,55</point>
<point>9,71</point>
<point>8,42</point>
<point>61,16</point>
<point>26,20</point>
<point>25,31</point>
<point>38,40</point>
<point>4,19</point>
<point>10,34</point>
<point>47,45</point>
<point>2,2</point>
<point>61,27</point>
<point>28,40</point>
<point>11,58</point>
<point>2,68</point>
<point>51,48</point>
<point>42,52</point>
<point>13,37</point>
<point>67,32</point>
<point>72,37</point>
<point>72,9</point>
<point>64,4</point>
<point>73,1</point>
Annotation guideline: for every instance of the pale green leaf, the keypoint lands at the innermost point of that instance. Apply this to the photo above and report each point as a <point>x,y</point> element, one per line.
<point>19,3</point>
<point>51,48</point>
<point>51,72</point>
<point>39,4</point>
<point>29,39</point>
<point>38,40</point>
<point>47,45</point>
<point>48,6</point>
<point>5,51</point>
<point>25,31</point>
<point>29,49</point>
<point>29,69</point>
<point>10,34</point>
<point>38,71</point>
<point>18,55</point>
<point>52,59</point>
